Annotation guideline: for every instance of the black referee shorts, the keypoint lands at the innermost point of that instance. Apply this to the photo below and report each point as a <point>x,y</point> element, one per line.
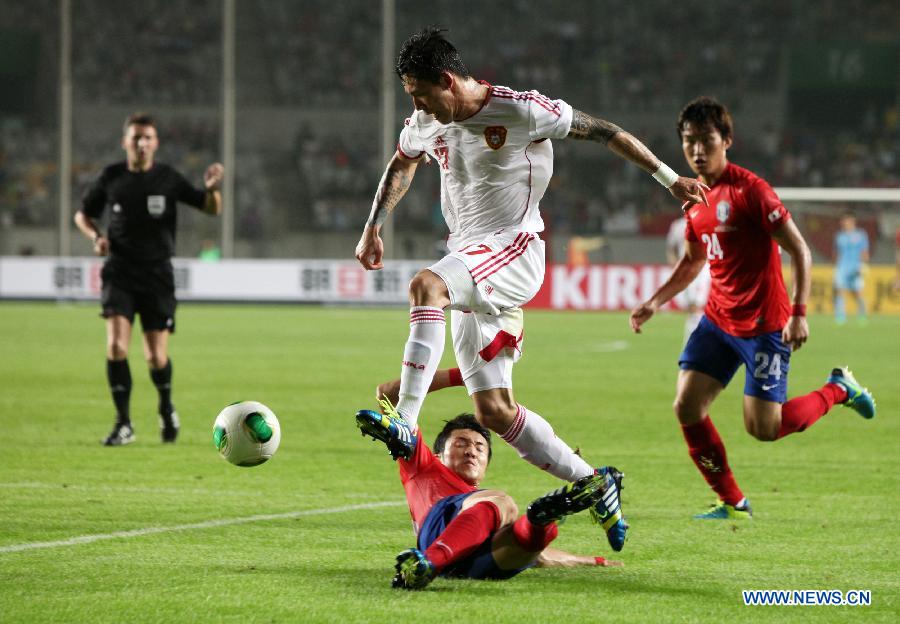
<point>144,289</point>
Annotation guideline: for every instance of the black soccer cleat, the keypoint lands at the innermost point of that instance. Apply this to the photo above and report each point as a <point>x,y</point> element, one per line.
<point>569,499</point>
<point>169,426</point>
<point>122,434</point>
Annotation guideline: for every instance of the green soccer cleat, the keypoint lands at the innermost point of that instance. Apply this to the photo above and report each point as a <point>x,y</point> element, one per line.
<point>859,399</point>
<point>569,499</point>
<point>721,510</point>
<point>414,570</point>
<point>607,512</point>
<point>389,428</point>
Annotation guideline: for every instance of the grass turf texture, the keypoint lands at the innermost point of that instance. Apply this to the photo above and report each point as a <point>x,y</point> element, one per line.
<point>825,500</point>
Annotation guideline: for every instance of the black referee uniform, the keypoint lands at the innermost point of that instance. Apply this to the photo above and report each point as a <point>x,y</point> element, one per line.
<point>138,277</point>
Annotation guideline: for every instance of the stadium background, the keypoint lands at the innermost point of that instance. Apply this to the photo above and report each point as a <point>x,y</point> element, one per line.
<point>298,101</point>
<point>171,533</point>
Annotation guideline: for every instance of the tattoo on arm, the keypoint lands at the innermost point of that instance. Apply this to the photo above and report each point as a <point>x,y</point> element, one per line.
<point>592,129</point>
<point>391,189</point>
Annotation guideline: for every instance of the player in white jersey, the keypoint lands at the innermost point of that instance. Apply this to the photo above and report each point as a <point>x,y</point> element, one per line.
<point>492,147</point>
<point>692,298</point>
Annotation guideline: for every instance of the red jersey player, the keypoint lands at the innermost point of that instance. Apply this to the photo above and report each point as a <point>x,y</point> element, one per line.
<point>749,318</point>
<point>466,532</point>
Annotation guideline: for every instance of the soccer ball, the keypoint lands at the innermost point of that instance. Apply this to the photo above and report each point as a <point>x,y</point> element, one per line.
<point>247,433</point>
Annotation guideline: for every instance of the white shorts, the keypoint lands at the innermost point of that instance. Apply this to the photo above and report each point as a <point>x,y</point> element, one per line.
<point>697,291</point>
<point>488,283</point>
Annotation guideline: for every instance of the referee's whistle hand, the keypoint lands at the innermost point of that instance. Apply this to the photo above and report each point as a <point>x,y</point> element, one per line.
<point>213,176</point>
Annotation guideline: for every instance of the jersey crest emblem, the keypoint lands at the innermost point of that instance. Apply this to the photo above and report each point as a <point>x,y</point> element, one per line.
<point>723,211</point>
<point>156,205</point>
<point>495,136</point>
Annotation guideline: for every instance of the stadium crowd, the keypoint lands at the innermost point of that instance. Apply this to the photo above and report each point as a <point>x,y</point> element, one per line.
<point>323,55</point>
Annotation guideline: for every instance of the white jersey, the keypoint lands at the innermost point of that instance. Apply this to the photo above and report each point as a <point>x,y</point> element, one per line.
<point>675,237</point>
<point>697,291</point>
<point>495,165</point>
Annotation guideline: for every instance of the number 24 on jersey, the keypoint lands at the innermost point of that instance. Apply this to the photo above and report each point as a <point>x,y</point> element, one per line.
<point>713,247</point>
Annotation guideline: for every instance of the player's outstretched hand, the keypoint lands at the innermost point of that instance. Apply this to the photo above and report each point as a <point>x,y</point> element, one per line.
<point>607,563</point>
<point>212,178</point>
<point>370,249</point>
<point>640,315</point>
<point>796,332</point>
<point>690,191</point>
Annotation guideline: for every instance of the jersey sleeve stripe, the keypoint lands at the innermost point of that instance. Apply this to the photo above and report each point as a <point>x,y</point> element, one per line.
<point>526,97</point>
<point>407,156</point>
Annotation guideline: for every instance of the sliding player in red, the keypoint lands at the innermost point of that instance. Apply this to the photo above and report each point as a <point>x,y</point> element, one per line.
<point>749,318</point>
<point>466,532</point>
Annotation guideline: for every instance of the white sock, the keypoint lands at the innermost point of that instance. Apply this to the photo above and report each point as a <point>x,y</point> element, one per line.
<point>421,356</point>
<point>533,438</point>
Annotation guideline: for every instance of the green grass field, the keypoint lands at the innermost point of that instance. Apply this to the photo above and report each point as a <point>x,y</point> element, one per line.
<point>826,501</point>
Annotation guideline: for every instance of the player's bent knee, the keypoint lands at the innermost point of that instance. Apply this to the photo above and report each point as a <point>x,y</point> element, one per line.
<point>116,350</point>
<point>505,505</point>
<point>762,432</point>
<point>509,511</point>
<point>495,415</point>
<point>428,289</point>
<point>687,412</point>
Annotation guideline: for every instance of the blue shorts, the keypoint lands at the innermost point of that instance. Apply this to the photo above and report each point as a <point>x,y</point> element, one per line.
<point>718,354</point>
<point>848,280</point>
<point>480,564</point>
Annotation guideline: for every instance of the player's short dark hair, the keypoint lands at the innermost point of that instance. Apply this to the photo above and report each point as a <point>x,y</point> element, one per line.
<point>706,110</point>
<point>426,54</point>
<point>463,421</point>
<point>140,119</point>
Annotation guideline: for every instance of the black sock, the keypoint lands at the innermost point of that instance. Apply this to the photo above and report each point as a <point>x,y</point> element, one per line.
<point>119,376</point>
<point>162,379</point>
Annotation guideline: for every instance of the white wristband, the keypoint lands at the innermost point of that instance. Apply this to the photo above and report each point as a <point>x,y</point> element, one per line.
<point>665,176</point>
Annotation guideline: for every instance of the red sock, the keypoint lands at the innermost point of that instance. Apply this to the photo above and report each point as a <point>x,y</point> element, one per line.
<point>801,412</point>
<point>456,377</point>
<point>534,537</point>
<point>466,532</point>
<point>708,452</point>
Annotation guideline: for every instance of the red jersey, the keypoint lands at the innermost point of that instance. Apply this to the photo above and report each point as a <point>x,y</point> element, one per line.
<point>426,481</point>
<point>747,296</point>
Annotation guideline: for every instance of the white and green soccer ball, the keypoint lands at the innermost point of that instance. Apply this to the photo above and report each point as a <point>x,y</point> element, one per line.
<point>246,433</point>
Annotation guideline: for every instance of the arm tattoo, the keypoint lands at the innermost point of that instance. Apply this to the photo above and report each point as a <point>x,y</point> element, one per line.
<point>393,186</point>
<point>592,129</point>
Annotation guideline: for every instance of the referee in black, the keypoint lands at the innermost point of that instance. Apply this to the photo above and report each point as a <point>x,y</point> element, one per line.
<point>141,196</point>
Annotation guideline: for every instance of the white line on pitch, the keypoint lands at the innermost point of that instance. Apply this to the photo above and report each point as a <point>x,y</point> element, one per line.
<point>36,485</point>
<point>209,524</point>
<point>608,347</point>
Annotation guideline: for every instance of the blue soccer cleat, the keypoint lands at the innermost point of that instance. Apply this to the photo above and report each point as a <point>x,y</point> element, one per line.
<point>414,570</point>
<point>721,510</point>
<point>859,399</point>
<point>389,428</point>
<point>607,512</point>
